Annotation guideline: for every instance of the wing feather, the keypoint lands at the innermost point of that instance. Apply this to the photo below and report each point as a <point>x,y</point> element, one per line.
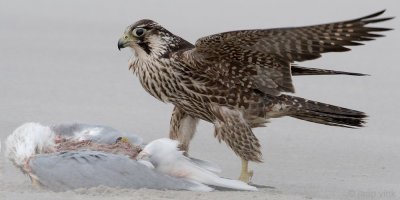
<point>261,59</point>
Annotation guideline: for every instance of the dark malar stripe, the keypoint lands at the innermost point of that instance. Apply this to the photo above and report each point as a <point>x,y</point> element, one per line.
<point>145,46</point>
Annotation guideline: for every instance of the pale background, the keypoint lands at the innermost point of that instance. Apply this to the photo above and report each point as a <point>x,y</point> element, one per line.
<point>59,62</point>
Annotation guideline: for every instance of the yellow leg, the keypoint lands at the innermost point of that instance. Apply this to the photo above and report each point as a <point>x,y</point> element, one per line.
<point>35,182</point>
<point>245,174</point>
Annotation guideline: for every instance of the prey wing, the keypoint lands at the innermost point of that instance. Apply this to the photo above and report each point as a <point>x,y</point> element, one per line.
<point>85,169</point>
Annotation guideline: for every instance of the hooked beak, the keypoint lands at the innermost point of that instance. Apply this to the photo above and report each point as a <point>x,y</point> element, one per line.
<point>124,41</point>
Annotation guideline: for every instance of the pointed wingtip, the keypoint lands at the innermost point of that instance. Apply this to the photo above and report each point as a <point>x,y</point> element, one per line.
<point>371,15</point>
<point>375,14</point>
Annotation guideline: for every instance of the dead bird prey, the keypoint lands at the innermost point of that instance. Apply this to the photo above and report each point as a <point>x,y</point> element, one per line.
<point>235,79</point>
<point>71,156</point>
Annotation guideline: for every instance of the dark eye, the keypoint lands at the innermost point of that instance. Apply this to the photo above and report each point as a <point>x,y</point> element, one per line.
<point>139,32</point>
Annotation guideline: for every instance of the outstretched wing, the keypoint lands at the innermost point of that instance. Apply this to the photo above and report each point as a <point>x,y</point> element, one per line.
<point>261,59</point>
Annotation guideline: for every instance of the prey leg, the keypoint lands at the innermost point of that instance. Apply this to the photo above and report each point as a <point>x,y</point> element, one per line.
<point>35,182</point>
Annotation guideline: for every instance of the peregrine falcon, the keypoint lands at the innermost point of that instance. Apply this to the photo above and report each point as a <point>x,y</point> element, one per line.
<point>235,79</point>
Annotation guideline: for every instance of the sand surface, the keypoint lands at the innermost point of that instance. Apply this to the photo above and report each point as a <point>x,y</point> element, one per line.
<point>59,62</point>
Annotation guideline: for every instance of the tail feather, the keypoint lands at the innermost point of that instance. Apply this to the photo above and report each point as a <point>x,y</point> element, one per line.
<point>322,113</point>
<point>330,119</point>
<point>233,184</point>
<point>300,71</point>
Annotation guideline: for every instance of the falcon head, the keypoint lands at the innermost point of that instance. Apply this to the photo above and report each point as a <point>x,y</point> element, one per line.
<point>148,38</point>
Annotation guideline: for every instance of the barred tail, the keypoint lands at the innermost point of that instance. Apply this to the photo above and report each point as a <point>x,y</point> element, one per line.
<point>322,113</point>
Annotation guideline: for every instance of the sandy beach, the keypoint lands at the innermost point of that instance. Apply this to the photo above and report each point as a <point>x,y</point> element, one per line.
<point>59,62</point>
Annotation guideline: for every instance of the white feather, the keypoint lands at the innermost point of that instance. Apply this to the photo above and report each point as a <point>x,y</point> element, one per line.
<point>166,157</point>
<point>207,165</point>
<point>146,163</point>
<point>87,134</point>
<point>200,187</point>
<point>28,140</point>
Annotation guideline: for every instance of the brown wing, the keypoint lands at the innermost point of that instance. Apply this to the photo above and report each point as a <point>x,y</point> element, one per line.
<point>261,59</point>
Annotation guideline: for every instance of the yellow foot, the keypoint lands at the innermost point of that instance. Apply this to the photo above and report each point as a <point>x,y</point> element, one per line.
<point>245,174</point>
<point>35,182</point>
